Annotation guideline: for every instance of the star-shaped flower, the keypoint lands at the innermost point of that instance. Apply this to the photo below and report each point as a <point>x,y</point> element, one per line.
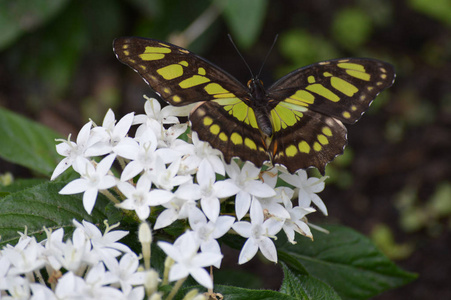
<point>247,181</point>
<point>92,180</point>
<point>142,154</point>
<point>188,261</point>
<point>258,233</point>
<point>202,152</point>
<point>308,187</point>
<point>140,198</point>
<point>207,233</point>
<point>73,151</point>
<point>110,134</point>
<point>212,191</point>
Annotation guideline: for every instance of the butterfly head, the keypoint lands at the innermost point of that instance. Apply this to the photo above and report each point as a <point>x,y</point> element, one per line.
<point>256,88</point>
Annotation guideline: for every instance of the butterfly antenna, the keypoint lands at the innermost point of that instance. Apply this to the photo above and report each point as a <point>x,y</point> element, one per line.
<point>267,55</point>
<point>242,57</point>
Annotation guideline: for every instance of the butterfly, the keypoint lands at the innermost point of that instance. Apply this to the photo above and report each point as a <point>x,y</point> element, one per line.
<point>297,122</point>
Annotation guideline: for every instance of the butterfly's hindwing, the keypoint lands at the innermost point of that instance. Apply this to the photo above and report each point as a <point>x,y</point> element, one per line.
<point>313,141</point>
<point>230,124</point>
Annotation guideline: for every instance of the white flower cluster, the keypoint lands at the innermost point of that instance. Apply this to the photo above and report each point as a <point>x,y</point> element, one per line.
<point>83,259</point>
<point>191,181</point>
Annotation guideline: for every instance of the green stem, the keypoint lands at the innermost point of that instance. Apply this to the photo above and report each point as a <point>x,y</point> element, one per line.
<point>176,288</point>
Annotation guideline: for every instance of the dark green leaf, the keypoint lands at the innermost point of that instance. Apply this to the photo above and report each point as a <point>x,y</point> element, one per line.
<point>20,16</point>
<point>41,205</point>
<point>305,286</point>
<point>21,184</point>
<point>347,261</point>
<point>234,293</point>
<point>237,278</point>
<point>27,143</point>
<point>245,19</point>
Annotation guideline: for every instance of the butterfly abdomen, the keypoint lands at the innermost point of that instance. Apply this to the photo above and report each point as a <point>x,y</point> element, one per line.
<point>263,121</point>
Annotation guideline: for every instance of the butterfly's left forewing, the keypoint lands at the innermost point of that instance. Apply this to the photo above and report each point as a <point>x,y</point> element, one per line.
<point>222,116</point>
<point>179,76</point>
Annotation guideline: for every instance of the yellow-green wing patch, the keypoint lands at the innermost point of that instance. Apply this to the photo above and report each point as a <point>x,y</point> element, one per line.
<point>343,89</point>
<point>229,125</point>
<point>179,76</point>
<point>313,141</point>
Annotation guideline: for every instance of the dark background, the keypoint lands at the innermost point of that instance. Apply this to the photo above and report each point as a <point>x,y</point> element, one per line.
<point>393,182</point>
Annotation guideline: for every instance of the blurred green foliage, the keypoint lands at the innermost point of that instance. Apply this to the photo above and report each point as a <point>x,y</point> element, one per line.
<point>438,9</point>
<point>417,214</point>
<point>351,27</point>
<point>302,48</point>
<point>20,17</point>
<point>382,236</point>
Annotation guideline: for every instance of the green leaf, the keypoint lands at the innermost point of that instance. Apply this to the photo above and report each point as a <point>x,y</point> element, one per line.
<point>21,184</point>
<point>440,10</point>
<point>235,293</point>
<point>237,278</point>
<point>245,20</point>
<point>27,143</point>
<point>20,16</point>
<point>305,286</point>
<point>41,205</point>
<point>347,261</point>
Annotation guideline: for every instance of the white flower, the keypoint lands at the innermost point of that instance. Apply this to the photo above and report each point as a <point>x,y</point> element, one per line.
<point>142,154</point>
<point>140,198</point>
<point>208,232</point>
<point>97,280</point>
<point>126,272</point>
<point>274,205</point>
<point>4,269</point>
<point>270,176</point>
<point>110,134</point>
<point>53,246</point>
<point>92,180</point>
<point>167,178</point>
<point>18,287</point>
<point>72,151</point>
<point>25,257</point>
<point>296,222</point>
<point>183,202</point>
<point>188,261</point>
<point>73,254</point>
<point>211,191</point>
<point>202,152</point>
<point>154,118</point>
<point>247,180</point>
<point>307,189</point>
<point>41,292</point>
<point>258,234</point>
<point>105,246</point>
<point>169,139</point>
<point>70,286</point>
